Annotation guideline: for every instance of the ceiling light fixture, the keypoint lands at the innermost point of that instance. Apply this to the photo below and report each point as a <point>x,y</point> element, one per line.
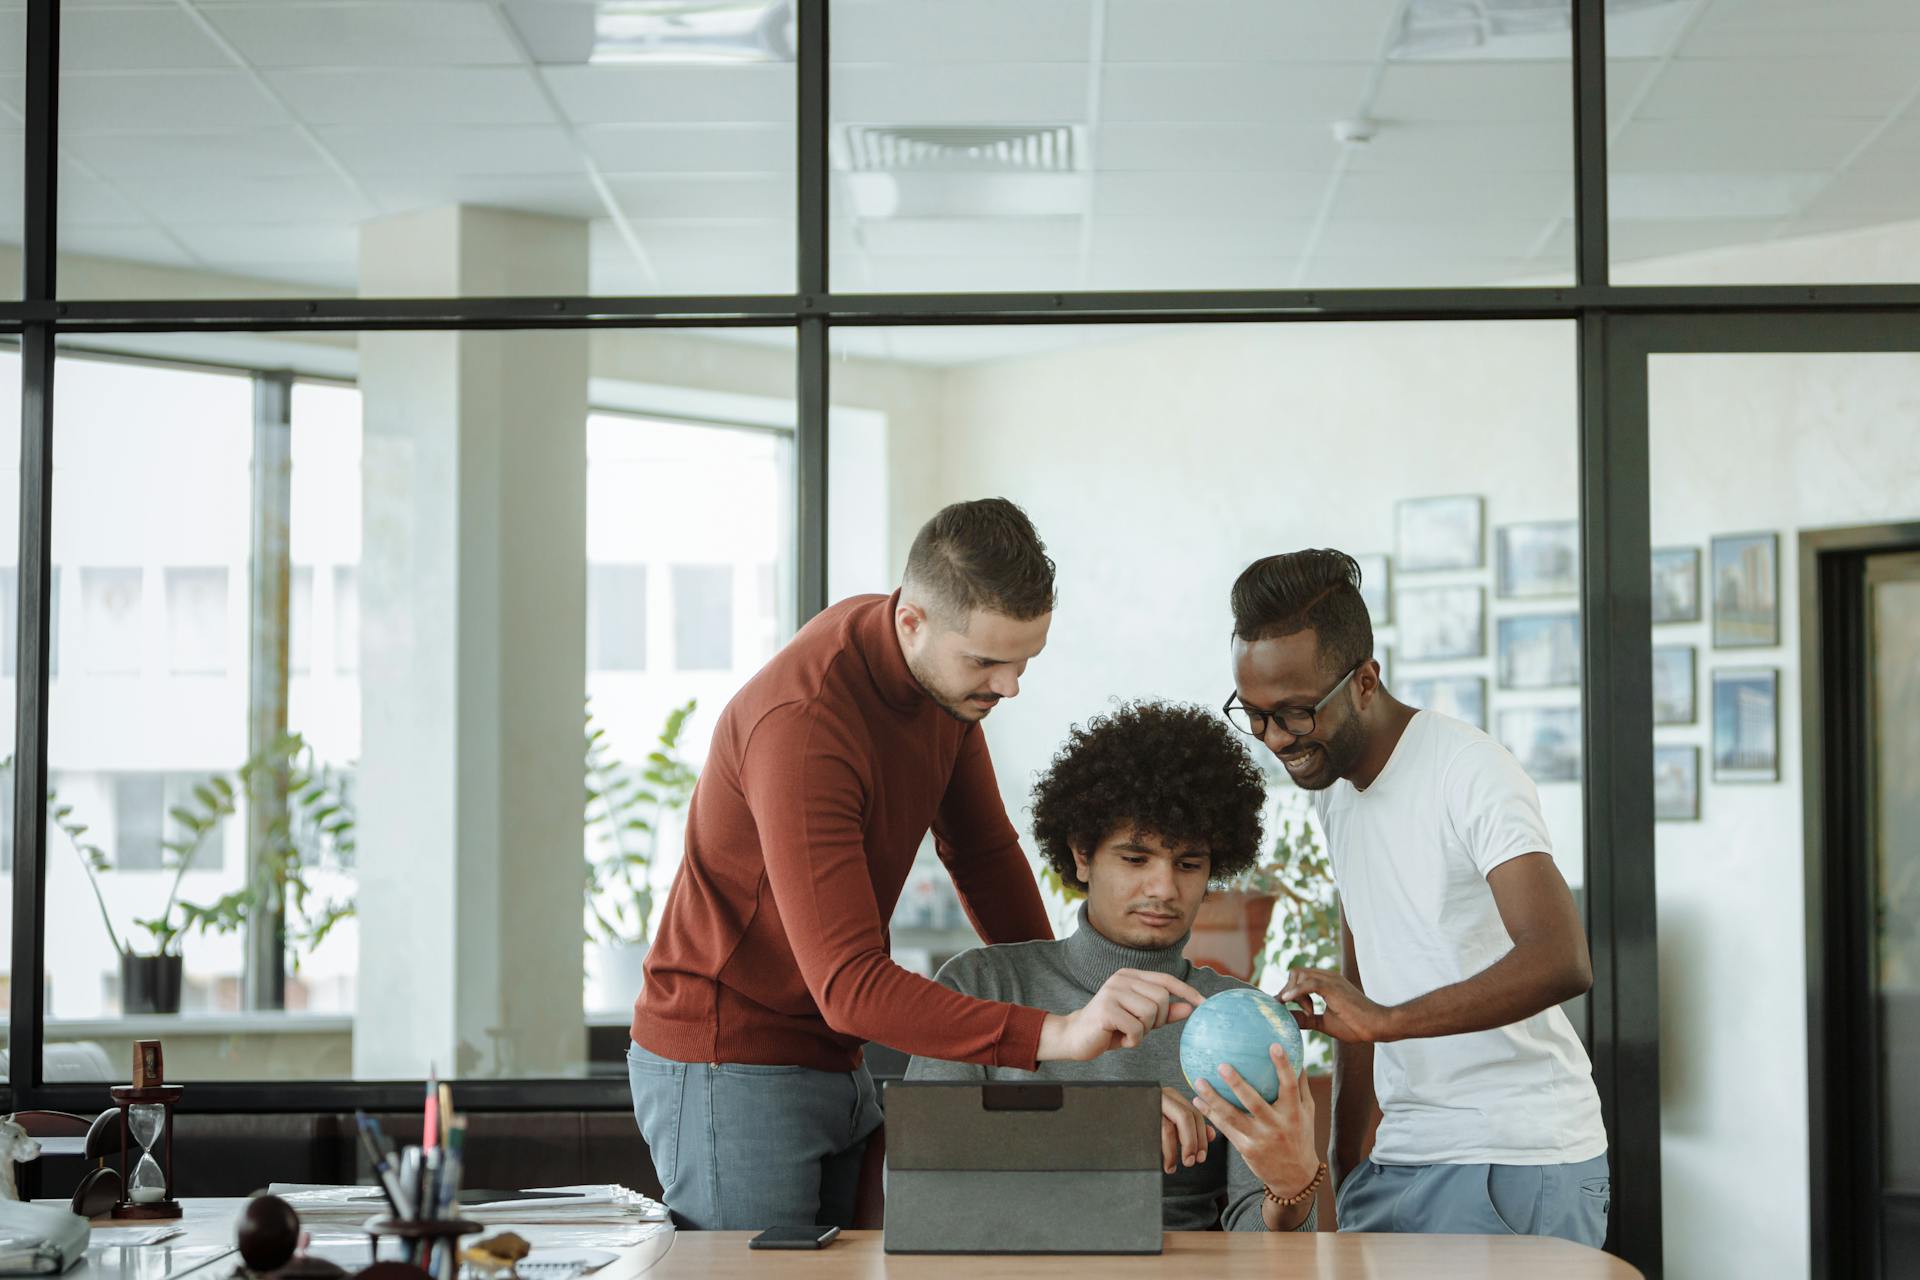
<point>626,31</point>
<point>1439,28</point>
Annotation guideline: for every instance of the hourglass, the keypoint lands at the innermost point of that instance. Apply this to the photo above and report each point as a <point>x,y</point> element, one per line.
<point>146,1115</point>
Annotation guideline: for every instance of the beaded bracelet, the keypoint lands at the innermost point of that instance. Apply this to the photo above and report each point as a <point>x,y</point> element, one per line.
<point>1312,1187</point>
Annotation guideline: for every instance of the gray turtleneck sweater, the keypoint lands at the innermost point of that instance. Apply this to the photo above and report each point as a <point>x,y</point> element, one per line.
<point>1062,976</point>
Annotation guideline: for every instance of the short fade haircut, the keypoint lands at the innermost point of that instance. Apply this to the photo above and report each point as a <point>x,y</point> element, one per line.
<point>1318,591</point>
<point>1165,769</point>
<point>983,554</point>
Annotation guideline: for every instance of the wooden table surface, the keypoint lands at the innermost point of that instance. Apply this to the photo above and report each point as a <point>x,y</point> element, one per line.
<point>1214,1255</point>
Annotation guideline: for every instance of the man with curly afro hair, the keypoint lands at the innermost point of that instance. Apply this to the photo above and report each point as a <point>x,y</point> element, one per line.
<point>1140,810</point>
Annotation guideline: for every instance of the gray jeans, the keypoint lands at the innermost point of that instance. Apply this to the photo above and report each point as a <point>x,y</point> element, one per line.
<point>1565,1200</point>
<point>741,1147</point>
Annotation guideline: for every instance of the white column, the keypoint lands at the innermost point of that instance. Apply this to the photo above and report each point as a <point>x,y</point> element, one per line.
<point>473,659</point>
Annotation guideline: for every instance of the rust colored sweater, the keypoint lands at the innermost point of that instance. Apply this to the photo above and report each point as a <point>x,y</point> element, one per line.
<point>825,772</point>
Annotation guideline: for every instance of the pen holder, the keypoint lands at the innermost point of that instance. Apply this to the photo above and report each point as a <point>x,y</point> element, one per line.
<point>433,1244</point>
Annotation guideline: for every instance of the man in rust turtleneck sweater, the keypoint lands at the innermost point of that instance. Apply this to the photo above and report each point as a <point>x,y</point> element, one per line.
<point>771,966</point>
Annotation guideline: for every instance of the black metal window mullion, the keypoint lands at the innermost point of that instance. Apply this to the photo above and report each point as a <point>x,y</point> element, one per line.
<point>39,255</point>
<point>815,283</point>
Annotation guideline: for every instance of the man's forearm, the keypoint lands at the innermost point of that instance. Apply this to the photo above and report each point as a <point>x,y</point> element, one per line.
<point>1353,1108</point>
<point>1511,989</point>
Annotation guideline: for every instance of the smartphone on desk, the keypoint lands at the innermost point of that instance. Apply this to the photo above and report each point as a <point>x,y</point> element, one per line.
<point>794,1238</point>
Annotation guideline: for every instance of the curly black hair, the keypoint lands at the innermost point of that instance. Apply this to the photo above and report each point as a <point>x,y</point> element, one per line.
<point>1168,769</point>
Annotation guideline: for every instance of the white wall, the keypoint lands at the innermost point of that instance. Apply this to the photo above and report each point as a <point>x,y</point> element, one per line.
<point>1740,444</point>
<point>1157,469</point>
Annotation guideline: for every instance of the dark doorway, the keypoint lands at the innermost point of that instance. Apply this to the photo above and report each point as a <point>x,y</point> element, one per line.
<point>1863,899</point>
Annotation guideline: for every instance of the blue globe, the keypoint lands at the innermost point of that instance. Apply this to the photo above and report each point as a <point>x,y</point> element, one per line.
<point>1236,1027</point>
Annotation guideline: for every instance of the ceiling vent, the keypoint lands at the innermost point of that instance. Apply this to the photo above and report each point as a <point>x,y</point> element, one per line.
<point>1038,148</point>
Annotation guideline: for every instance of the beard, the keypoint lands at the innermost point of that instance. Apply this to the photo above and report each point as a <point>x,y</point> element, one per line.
<point>961,707</point>
<point>1336,756</point>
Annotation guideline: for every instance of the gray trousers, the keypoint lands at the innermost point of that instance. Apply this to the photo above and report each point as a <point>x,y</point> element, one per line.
<point>742,1147</point>
<point>1565,1200</point>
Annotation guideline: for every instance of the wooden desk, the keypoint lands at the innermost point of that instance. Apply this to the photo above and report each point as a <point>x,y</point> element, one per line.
<point>1214,1255</point>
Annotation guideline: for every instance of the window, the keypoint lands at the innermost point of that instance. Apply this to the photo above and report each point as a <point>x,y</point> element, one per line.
<point>197,628</point>
<point>300,621</point>
<point>139,820</point>
<point>346,620</point>
<point>702,617</point>
<point>111,623</point>
<point>617,617</point>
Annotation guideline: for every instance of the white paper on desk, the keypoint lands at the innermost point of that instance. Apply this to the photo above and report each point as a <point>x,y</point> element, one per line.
<point>40,1239</point>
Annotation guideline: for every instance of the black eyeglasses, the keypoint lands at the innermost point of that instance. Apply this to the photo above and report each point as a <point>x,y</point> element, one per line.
<point>1298,721</point>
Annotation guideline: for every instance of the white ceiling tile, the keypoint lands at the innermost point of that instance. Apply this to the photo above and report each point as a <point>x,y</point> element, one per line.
<point>1742,88</point>
<point>556,196</point>
<point>982,273</point>
<point>449,95</point>
<point>1504,92</point>
<point>950,237</point>
<point>1434,268</point>
<point>87,202</point>
<point>423,150</point>
<point>161,101</point>
<point>339,276</point>
<point>761,93</point>
<point>1707,146</point>
<point>235,198</point>
<point>13,39</point>
<point>886,31</point>
<point>705,196</point>
<point>1240,92</point>
<point>1177,148</point>
<point>1891,193</point>
<point>725,273</point>
<point>1173,239</point>
<point>1047,93</point>
<point>278,150</point>
<point>1812,40</point>
<point>329,243</point>
<point>1419,146</point>
<point>148,39</point>
<point>1625,81</point>
<point>1460,194</point>
<point>1200,195</point>
<point>1631,239</point>
<point>1418,236</point>
<point>1246,30</point>
<point>667,148</point>
<point>135,244</point>
<point>1670,196</point>
<point>289,34</point>
<point>1190,271</point>
<point>705,238</point>
<point>12,92</point>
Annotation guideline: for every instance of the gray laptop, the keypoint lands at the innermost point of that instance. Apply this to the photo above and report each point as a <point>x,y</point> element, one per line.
<point>1023,1168</point>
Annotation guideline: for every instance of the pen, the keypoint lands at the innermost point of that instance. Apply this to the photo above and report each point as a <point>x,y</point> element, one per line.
<point>378,1160</point>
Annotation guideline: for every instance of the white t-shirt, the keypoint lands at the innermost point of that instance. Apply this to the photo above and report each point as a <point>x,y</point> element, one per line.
<point>1411,855</point>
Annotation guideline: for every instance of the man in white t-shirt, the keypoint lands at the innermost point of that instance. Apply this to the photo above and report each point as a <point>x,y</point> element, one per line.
<point>1459,936</point>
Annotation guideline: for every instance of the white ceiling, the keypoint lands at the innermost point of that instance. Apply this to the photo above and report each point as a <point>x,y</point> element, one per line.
<point>251,137</point>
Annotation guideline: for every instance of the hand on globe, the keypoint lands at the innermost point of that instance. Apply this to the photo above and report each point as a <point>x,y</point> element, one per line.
<point>1348,1015</point>
<point>1274,1138</point>
<point>1128,1005</point>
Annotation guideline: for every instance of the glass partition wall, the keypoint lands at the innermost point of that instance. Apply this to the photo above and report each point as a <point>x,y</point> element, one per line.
<point>536,364</point>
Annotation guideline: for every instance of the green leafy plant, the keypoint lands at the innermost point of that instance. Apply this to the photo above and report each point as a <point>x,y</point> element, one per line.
<point>314,828</point>
<point>626,807</point>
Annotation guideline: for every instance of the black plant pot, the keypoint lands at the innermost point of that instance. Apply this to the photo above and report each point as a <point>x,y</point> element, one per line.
<point>149,984</point>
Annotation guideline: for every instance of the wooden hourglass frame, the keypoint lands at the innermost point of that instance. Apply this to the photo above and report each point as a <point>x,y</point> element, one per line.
<point>148,1089</point>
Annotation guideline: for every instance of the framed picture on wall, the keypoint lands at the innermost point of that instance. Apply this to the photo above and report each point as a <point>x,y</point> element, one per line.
<point>1539,559</point>
<point>1676,584</point>
<point>1540,651</point>
<point>1746,592</point>
<point>1676,783</point>
<point>1376,584</point>
<point>1439,533</point>
<point>1546,741</point>
<point>1673,684</point>
<point>1746,725</point>
<point>1462,697</point>
<point>1442,622</point>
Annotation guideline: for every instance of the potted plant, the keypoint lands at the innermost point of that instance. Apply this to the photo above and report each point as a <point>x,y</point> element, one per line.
<point>315,826</point>
<point>626,809</point>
